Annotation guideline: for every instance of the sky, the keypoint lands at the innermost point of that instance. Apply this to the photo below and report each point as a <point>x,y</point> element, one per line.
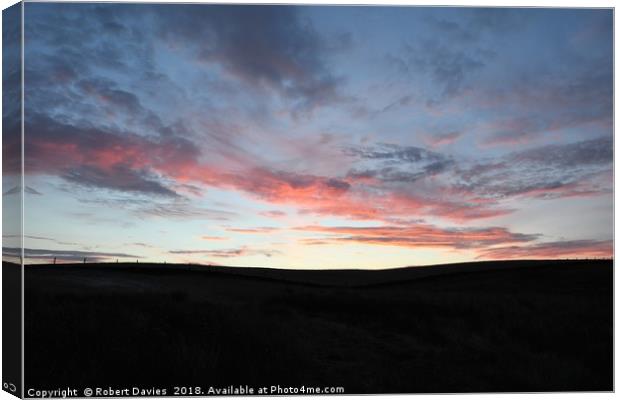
<point>313,136</point>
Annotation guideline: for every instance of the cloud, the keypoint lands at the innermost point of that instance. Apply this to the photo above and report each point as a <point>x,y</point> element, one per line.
<point>454,30</point>
<point>545,102</point>
<point>497,20</point>
<point>463,57</point>
<point>559,249</point>
<point>474,23</point>
<point>11,65</point>
<point>140,244</point>
<point>64,255</point>
<point>228,253</point>
<point>127,145</point>
<point>213,238</point>
<point>393,163</point>
<point>265,46</point>
<point>417,236</point>
<point>11,139</point>
<point>401,102</point>
<point>314,194</point>
<point>117,177</point>
<point>548,172</point>
<point>41,238</point>
<point>520,130</point>
<point>79,59</point>
<point>181,210</point>
<point>287,187</point>
<point>467,208</point>
<point>18,190</point>
<point>488,243</point>
<point>593,152</point>
<point>452,68</point>
<point>394,153</point>
<point>394,174</point>
<point>369,194</point>
<point>554,190</point>
<point>99,157</point>
<point>515,131</point>
<point>148,157</point>
<point>126,162</point>
<point>404,181</point>
<point>372,189</point>
<point>106,92</point>
<point>442,139</point>
<point>178,207</point>
<point>273,214</point>
<point>263,229</point>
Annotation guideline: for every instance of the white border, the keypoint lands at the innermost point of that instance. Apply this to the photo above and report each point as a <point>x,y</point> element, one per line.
<point>479,3</point>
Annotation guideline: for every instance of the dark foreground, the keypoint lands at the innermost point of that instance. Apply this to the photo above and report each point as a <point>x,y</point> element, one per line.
<point>504,326</point>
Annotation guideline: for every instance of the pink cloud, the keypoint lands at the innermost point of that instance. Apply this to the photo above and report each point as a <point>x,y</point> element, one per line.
<point>442,139</point>
<point>217,238</point>
<point>273,214</point>
<point>264,229</point>
<point>417,235</point>
<point>561,249</point>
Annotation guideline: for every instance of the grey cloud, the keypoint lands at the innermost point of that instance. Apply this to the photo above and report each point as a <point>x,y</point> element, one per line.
<point>440,139</point>
<point>593,152</point>
<point>182,210</point>
<point>89,34</point>
<point>265,46</point>
<point>41,238</point>
<point>393,152</point>
<point>105,90</point>
<point>497,20</point>
<point>337,184</point>
<point>11,88</point>
<point>451,67</point>
<point>401,102</point>
<point>273,214</point>
<point>30,190</point>
<point>547,172</point>
<point>394,163</point>
<point>478,21</point>
<point>119,177</point>
<point>572,102</point>
<point>64,255</point>
<point>391,174</point>
<point>455,30</point>
<point>17,190</point>
<point>510,137</point>
<point>78,48</point>
<point>228,253</point>
<point>177,207</point>
<point>448,67</point>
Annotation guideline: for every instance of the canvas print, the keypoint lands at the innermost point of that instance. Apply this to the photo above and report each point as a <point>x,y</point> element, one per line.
<point>219,199</point>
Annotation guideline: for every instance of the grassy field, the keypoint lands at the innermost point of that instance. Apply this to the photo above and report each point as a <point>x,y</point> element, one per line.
<point>501,326</point>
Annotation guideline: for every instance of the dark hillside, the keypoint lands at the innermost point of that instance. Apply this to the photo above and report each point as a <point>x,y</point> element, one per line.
<point>502,326</point>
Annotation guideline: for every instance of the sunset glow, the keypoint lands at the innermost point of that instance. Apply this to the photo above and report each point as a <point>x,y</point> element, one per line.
<point>315,137</point>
